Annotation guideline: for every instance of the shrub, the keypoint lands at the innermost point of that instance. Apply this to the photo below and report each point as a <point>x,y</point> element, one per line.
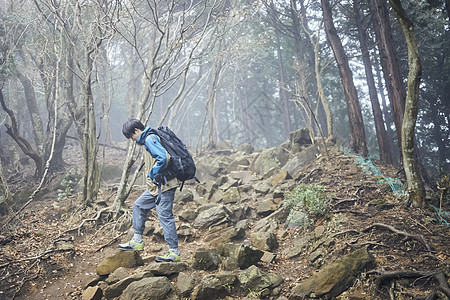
<point>306,203</point>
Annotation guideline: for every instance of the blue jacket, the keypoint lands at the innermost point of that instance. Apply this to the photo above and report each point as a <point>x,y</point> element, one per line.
<point>156,150</point>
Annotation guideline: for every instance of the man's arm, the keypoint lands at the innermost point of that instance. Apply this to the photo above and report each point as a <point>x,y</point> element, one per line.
<point>158,152</point>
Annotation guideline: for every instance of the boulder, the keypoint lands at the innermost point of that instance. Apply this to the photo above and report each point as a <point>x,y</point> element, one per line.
<point>269,160</point>
<point>214,286</point>
<point>226,235</point>
<point>92,293</point>
<point>231,182</point>
<point>153,288</point>
<point>266,241</point>
<point>266,207</point>
<point>116,289</point>
<point>166,268</point>
<point>185,283</point>
<point>301,160</point>
<point>119,274</point>
<point>237,162</point>
<point>253,279</point>
<point>279,177</point>
<point>336,277</point>
<point>213,215</point>
<point>206,259</point>
<point>127,259</point>
<point>231,196</point>
<point>244,256</point>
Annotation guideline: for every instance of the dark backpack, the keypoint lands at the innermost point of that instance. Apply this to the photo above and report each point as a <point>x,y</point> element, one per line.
<point>181,164</point>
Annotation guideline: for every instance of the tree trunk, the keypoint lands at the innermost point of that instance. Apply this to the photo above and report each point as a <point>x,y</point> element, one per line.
<point>416,187</point>
<point>90,142</point>
<point>357,133</point>
<point>383,143</point>
<point>387,116</point>
<point>329,130</point>
<point>282,87</point>
<point>389,63</point>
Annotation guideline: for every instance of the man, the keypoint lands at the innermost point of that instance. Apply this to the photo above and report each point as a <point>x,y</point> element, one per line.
<point>156,160</point>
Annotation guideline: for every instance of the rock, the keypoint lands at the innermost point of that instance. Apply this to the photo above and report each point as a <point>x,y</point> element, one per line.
<point>268,257</point>
<point>185,195</point>
<point>225,236</point>
<point>269,160</point>
<point>280,176</point>
<point>336,277</point>
<point>92,293</point>
<point>266,241</point>
<point>166,268</point>
<point>246,148</point>
<point>231,196</point>
<point>153,288</point>
<point>187,214</point>
<point>212,216</point>
<point>253,279</point>
<point>214,286</point>
<point>297,247</point>
<point>185,231</point>
<point>127,259</point>
<point>300,137</point>
<point>206,259</point>
<point>266,207</point>
<point>245,177</point>
<point>244,256</point>
<point>228,184</point>
<point>185,284</point>
<point>301,160</point>
<point>119,274</point>
<point>319,230</point>
<point>262,187</point>
<point>238,161</point>
<point>116,289</point>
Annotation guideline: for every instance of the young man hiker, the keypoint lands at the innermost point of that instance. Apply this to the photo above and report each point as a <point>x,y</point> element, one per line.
<point>156,160</point>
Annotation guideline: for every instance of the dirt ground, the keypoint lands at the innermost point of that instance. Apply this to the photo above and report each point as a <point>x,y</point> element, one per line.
<point>46,254</point>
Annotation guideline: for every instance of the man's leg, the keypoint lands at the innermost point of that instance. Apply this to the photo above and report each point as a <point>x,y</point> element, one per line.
<point>167,221</point>
<point>141,206</point>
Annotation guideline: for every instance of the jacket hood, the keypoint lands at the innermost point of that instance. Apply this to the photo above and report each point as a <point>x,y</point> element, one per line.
<point>143,136</point>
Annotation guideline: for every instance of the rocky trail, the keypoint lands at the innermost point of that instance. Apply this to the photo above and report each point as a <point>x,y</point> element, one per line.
<point>239,235</point>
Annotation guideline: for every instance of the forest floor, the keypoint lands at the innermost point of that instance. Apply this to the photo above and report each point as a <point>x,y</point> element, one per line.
<point>46,254</point>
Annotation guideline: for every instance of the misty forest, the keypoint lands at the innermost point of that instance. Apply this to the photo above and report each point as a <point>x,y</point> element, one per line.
<point>320,132</point>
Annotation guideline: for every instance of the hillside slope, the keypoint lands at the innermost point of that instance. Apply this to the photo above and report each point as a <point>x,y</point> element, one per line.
<point>54,251</point>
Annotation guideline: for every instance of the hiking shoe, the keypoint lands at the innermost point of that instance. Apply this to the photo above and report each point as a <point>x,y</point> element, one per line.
<point>131,245</point>
<point>168,257</point>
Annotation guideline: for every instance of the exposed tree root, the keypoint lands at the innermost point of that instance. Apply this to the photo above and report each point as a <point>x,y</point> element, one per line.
<point>39,256</point>
<point>384,277</point>
<point>95,218</point>
<point>407,236</point>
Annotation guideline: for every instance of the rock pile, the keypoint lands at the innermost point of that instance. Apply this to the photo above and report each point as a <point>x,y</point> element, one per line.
<point>237,211</point>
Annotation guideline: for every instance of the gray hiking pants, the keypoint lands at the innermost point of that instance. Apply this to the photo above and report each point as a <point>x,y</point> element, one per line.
<point>165,215</point>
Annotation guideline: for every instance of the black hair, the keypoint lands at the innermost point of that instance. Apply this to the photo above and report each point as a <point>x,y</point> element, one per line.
<point>130,126</point>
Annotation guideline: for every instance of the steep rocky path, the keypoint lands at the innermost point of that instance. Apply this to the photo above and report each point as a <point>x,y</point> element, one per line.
<point>240,201</point>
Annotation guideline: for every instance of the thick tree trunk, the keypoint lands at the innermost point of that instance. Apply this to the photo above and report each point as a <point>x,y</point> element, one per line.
<point>357,133</point>
<point>383,143</point>
<point>416,187</point>
<point>389,63</point>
